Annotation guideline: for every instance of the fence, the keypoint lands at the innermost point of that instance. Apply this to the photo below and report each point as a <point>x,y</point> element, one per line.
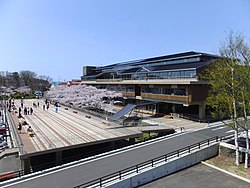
<point>116,176</point>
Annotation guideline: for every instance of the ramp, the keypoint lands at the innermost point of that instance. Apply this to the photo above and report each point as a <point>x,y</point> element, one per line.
<point>123,111</point>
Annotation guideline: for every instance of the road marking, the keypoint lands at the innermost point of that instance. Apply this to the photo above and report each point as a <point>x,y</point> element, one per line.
<point>219,128</point>
<point>230,131</point>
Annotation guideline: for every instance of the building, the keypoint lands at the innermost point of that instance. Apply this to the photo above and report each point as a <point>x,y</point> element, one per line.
<point>69,83</point>
<point>174,80</point>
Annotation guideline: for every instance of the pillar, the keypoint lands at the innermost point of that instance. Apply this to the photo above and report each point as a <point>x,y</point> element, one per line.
<point>174,108</point>
<point>202,110</point>
<point>112,145</point>
<point>26,166</point>
<point>58,157</point>
<point>132,140</point>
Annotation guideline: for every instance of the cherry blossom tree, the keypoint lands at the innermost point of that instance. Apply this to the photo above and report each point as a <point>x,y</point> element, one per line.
<point>23,90</point>
<point>83,96</point>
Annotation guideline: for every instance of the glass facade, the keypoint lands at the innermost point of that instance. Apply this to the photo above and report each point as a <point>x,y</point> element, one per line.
<point>151,75</point>
<point>165,91</point>
<point>169,62</point>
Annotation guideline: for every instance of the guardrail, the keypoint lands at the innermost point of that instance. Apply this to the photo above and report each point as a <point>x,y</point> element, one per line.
<point>17,139</point>
<point>116,176</point>
<point>136,168</point>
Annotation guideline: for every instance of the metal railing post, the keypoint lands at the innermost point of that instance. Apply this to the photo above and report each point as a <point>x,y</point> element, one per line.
<point>100,182</point>
<point>166,158</point>
<point>120,175</point>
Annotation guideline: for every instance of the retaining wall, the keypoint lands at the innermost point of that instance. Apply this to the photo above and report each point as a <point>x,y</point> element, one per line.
<point>175,165</point>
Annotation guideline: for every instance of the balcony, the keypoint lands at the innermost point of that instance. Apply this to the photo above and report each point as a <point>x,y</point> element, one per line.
<point>177,98</point>
<point>128,94</point>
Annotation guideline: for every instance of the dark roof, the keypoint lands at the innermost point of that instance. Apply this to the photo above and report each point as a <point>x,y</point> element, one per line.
<point>193,65</point>
<point>179,55</point>
<point>164,57</point>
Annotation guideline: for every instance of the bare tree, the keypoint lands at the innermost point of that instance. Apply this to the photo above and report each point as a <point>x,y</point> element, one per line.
<point>27,78</point>
<point>46,78</point>
<point>16,79</point>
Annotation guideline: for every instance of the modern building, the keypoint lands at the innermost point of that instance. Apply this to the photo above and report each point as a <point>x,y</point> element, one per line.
<point>174,80</point>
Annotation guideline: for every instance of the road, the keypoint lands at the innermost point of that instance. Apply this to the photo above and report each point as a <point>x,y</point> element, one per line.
<point>96,168</point>
<point>196,177</point>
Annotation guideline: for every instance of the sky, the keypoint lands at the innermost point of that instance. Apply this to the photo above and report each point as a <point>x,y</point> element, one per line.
<point>57,38</point>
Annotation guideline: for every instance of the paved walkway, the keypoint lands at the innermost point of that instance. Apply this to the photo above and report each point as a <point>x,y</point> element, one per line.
<point>167,123</point>
<point>180,122</point>
<point>65,128</point>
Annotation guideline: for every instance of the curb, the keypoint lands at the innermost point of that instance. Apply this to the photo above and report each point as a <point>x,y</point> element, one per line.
<point>226,172</point>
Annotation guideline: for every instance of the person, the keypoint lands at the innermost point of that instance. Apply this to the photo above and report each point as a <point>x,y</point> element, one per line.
<point>56,106</point>
<point>31,110</point>
<point>22,102</point>
<point>48,106</point>
<point>38,104</point>
<point>30,131</point>
<point>44,107</point>
<point>19,112</point>
<point>25,111</point>
<point>19,128</point>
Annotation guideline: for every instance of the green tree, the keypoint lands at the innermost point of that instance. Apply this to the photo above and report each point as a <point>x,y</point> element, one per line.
<point>229,79</point>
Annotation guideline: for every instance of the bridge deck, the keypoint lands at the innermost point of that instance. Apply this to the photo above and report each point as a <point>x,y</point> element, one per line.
<point>65,128</point>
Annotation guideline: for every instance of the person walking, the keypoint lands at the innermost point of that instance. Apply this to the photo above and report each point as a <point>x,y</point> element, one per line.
<point>31,111</point>
<point>19,128</point>
<point>25,111</point>
<point>56,107</point>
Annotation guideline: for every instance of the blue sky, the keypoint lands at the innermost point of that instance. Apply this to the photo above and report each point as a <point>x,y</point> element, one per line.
<point>57,37</point>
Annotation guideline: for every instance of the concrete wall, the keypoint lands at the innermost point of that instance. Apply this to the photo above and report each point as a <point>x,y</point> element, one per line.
<point>10,163</point>
<point>168,168</point>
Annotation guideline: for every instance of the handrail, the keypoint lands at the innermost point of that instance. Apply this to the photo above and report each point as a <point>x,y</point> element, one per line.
<point>135,168</point>
<point>99,182</point>
<point>17,136</point>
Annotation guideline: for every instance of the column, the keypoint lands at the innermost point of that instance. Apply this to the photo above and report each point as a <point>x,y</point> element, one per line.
<point>173,108</point>
<point>112,145</point>
<point>58,157</point>
<point>202,110</point>
<point>26,165</point>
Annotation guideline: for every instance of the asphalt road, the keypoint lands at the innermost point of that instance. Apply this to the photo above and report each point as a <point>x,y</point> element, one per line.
<point>196,177</point>
<point>84,172</point>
